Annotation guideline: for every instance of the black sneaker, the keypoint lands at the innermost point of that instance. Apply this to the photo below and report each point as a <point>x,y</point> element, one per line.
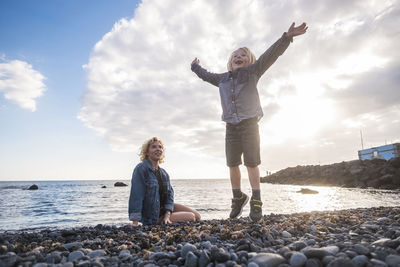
<point>255,210</point>
<point>237,205</point>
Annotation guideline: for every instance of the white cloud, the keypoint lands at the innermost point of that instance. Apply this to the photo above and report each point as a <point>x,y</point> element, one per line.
<point>20,83</point>
<point>140,83</point>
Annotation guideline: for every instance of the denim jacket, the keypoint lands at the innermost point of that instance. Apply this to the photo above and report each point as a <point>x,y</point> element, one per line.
<point>144,199</point>
<point>238,89</point>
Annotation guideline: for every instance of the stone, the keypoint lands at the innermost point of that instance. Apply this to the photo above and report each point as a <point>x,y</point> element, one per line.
<point>187,248</point>
<point>191,260</point>
<point>298,245</point>
<point>219,254</point>
<point>313,262</point>
<point>361,250</point>
<point>267,259</point>
<point>341,263</point>
<point>318,253</point>
<point>378,263</point>
<point>97,253</point>
<point>360,260</point>
<point>381,242</point>
<point>286,234</point>
<point>393,260</point>
<point>120,184</point>
<point>297,259</point>
<point>204,259</point>
<point>75,255</point>
<point>54,257</point>
<point>33,187</point>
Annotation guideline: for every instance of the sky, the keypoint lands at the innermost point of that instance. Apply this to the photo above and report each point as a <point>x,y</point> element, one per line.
<point>84,83</point>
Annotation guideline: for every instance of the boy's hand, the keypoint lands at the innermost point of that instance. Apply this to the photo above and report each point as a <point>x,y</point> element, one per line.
<point>196,61</point>
<point>295,31</point>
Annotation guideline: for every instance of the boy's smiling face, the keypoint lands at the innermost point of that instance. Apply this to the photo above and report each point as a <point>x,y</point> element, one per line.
<point>239,59</point>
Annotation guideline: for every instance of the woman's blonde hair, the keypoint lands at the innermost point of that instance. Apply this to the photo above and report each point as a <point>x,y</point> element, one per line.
<point>249,54</point>
<point>145,149</point>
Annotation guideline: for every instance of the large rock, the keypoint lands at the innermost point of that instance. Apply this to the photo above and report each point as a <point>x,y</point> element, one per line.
<point>33,187</point>
<point>120,184</point>
<point>376,173</point>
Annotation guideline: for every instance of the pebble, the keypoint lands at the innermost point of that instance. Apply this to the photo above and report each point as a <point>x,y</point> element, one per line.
<point>297,259</point>
<point>75,255</point>
<point>355,237</point>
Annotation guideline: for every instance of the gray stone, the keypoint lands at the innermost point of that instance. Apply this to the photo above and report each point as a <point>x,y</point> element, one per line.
<point>9,260</point>
<point>393,260</point>
<point>381,242</point>
<point>219,254</point>
<point>252,264</point>
<point>85,263</point>
<point>75,255</point>
<point>297,259</point>
<point>313,262</point>
<point>286,234</point>
<point>361,250</point>
<point>187,248</point>
<point>191,260</point>
<point>40,264</point>
<point>341,263</point>
<point>318,253</point>
<point>72,246</point>
<point>54,257</point>
<point>297,245</point>
<point>97,253</point>
<point>124,254</point>
<point>360,260</point>
<point>378,263</point>
<point>204,259</point>
<point>268,259</point>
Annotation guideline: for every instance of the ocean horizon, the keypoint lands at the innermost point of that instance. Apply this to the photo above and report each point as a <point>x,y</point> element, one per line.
<point>73,203</point>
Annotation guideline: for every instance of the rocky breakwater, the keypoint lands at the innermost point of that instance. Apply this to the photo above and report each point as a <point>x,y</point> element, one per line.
<point>376,173</point>
<point>357,237</point>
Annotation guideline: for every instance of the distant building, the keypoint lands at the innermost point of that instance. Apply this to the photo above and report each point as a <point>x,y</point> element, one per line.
<point>381,152</point>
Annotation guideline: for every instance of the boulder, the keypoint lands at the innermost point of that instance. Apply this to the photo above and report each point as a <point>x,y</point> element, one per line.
<point>33,187</point>
<point>120,184</point>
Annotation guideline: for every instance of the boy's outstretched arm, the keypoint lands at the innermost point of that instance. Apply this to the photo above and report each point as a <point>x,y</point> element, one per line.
<point>278,48</point>
<point>295,31</point>
<point>203,74</point>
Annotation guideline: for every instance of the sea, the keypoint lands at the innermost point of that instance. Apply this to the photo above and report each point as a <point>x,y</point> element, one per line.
<point>69,204</point>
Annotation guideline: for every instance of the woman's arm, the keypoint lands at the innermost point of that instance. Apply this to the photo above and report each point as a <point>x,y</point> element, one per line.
<point>136,196</point>
<point>203,74</point>
<point>278,48</point>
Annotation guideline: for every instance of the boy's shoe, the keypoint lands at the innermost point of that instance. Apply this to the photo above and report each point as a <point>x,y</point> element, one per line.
<point>237,205</point>
<point>255,210</point>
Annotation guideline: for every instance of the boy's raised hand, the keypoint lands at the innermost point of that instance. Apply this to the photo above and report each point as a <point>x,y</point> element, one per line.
<point>195,61</point>
<point>295,31</point>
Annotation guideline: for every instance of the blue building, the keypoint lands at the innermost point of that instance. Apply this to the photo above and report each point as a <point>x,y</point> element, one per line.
<point>381,152</point>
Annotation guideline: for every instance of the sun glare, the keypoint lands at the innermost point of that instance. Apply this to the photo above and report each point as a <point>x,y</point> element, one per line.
<point>300,115</point>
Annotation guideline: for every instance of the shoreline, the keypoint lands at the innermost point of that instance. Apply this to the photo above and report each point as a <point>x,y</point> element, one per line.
<point>352,237</point>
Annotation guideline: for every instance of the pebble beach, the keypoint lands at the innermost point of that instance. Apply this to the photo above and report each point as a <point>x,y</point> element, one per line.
<point>353,237</point>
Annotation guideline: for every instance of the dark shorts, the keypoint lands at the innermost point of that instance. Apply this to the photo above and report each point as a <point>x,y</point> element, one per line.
<point>243,138</point>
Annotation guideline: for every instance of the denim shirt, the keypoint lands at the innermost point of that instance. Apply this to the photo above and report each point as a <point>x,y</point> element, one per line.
<point>238,89</point>
<point>144,199</point>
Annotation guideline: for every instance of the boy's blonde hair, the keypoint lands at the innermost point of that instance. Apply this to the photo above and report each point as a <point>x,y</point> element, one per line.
<point>145,149</point>
<point>249,54</point>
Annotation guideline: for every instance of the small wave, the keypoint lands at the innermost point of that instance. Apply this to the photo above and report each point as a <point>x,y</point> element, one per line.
<point>14,187</point>
<point>208,209</point>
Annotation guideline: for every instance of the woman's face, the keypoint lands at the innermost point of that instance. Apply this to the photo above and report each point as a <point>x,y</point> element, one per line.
<point>155,151</point>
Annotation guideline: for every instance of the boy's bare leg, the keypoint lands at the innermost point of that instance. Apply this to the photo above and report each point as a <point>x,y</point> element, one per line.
<point>234,173</point>
<point>254,177</point>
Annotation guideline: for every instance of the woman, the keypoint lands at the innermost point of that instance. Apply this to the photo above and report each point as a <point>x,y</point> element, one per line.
<point>152,198</point>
